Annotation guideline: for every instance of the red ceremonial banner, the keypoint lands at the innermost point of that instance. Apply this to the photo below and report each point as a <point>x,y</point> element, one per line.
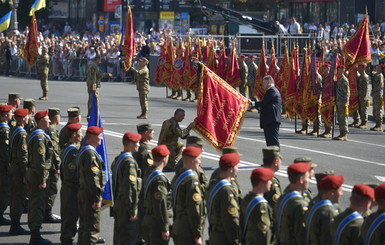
<point>273,68</point>
<point>221,110</point>
<point>305,93</point>
<point>159,66</point>
<point>211,62</point>
<point>178,70</point>
<point>233,76</point>
<point>221,70</point>
<point>290,98</point>
<point>31,49</point>
<point>129,49</point>
<point>259,91</point>
<point>168,63</point>
<point>357,49</point>
<point>284,74</point>
<point>353,85</point>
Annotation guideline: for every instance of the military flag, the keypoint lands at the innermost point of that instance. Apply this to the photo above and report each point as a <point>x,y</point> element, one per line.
<point>206,50</point>
<point>5,21</point>
<point>96,120</point>
<point>284,74</point>
<point>178,69</point>
<point>233,72</point>
<point>37,5</point>
<point>221,110</point>
<point>357,48</point>
<point>273,68</point>
<point>305,99</point>
<point>198,49</point>
<point>129,48</point>
<point>211,62</point>
<point>159,66</point>
<point>311,102</point>
<point>221,69</point>
<point>328,98</point>
<point>190,78</point>
<point>168,65</point>
<point>290,97</point>
<point>31,47</point>
<point>353,85</point>
<point>259,91</point>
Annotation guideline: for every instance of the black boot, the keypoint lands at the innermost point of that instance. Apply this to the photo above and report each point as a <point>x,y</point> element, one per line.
<point>36,239</point>
<point>49,218</point>
<point>16,229</point>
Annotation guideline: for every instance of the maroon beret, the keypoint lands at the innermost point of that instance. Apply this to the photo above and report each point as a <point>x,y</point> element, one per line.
<point>341,66</point>
<point>263,174</point>
<point>251,56</point>
<point>192,151</point>
<point>332,182</point>
<point>94,130</point>
<point>299,168</point>
<point>380,191</point>
<point>40,115</point>
<point>6,108</point>
<point>73,127</point>
<point>364,190</point>
<point>242,56</point>
<point>21,112</point>
<point>160,151</point>
<point>230,159</point>
<point>132,137</point>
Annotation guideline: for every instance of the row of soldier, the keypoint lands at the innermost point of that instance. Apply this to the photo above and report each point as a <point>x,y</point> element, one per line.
<point>190,197</point>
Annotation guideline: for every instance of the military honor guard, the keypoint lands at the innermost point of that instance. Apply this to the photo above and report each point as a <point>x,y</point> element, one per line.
<point>378,97</point>
<point>92,179</point>
<point>143,156</point>
<point>156,193</point>
<point>69,210</point>
<point>6,113</point>
<point>291,207</point>
<point>43,70</point>
<point>321,215</point>
<point>142,81</point>
<point>30,104</point>
<point>18,171</point>
<point>222,203</point>
<point>74,116</point>
<point>187,200</point>
<point>13,100</point>
<point>53,133</point>
<point>363,98</point>
<point>272,159</point>
<point>256,213</point>
<point>127,184</point>
<point>40,153</point>
<point>347,225</point>
<point>342,102</point>
<point>318,178</point>
<point>243,70</point>
<point>252,69</point>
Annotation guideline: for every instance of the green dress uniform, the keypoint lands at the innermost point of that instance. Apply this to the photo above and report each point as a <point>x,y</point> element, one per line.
<point>243,71</point>
<point>234,183</point>
<point>342,102</point>
<point>31,125</point>
<point>188,206</point>
<point>289,214</point>
<point>377,94</point>
<point>344,232</point>
<point>142,80</point>
<point>251,76</point>
<point>373,229</point>
<point>223,213</point>
<point>203,180</point>
<point>4,165</point>
<point>40,153</point>
<point>363,98</point>
<point>157,206</point>
<point>94,76</point>
<point>169,135</point>
<point>319,222</point>
<point>18,172</point>
<point>63,137</point>
<point>43,70</point>
<point>53,177</point>
<point>69,210</point>
<point>275,192</point>
<point>127,184</point>
<point>92,179</point>
<point>256,220</point>
<point>144,157</point>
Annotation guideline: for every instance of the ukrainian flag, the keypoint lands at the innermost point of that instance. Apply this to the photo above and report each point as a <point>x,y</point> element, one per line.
<point>38,4</point>
<point>5,21</point>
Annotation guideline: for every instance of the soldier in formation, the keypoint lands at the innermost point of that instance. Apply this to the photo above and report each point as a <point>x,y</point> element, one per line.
<point>342,102</point>
<point>43,70</point>
<point>142,80</point>
<point>30,104</point>
<point>377,94</point>
<point>243,70</point>
<point>74,116</point>
<point>252,69</point>
<point>363,99</point>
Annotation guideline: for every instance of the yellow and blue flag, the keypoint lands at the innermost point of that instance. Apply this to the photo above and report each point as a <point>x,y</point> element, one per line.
<point>96,120</point>
<point>5,21</point>
<point>38,4</point>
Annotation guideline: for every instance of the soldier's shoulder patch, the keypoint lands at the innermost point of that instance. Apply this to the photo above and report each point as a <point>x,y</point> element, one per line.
<point>275,184</point>
<point>95,169</point>
<point>71,166</point>
<point>262,226</point>
<point>132,164</point>
<point>303,224</point>
<point>93,157</point>
<point>263,211</point>
<point>7,142</point>
<point>305,208</point>
<point>232,210</point>
<point>158,195</point>
<point>24,147</point>
<point>232,178</point>
<point>275,197</point>
<point>13,123</point>
<point>41,150</point>
<point>231,195</point>
<point>132,178</point>
<point>24,136</point>
<point>196,182</point>
<point>304,194</point>
<point>197,197</point>
<point>150,161</point>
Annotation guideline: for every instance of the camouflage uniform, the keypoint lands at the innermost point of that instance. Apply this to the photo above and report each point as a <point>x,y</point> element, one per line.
<point>243,71</point>
<point>142,80</point>
<point>43,70</point>
<point>377,94</point>
<point>251,75</point>
<point>342,102</point>
<point>4,165</point>
<point>92,179</point>
<point>275,192</point>
<point>350,234</point>
<point>378,234</point>
<point>94,75</point>
<point>363,99</point>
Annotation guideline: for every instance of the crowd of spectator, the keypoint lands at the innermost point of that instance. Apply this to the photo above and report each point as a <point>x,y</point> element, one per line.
<point>70,50</point>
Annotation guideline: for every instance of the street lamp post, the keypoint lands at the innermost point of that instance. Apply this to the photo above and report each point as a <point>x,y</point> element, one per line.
<point>14,23</point>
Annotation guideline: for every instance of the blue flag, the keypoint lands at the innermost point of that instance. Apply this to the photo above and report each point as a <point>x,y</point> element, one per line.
<point>96,120</point>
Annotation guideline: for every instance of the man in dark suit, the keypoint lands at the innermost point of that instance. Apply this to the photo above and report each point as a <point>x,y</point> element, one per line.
<point>270,108</point>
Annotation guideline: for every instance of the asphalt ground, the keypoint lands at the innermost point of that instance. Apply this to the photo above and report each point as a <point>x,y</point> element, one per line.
<point>361,159</point>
